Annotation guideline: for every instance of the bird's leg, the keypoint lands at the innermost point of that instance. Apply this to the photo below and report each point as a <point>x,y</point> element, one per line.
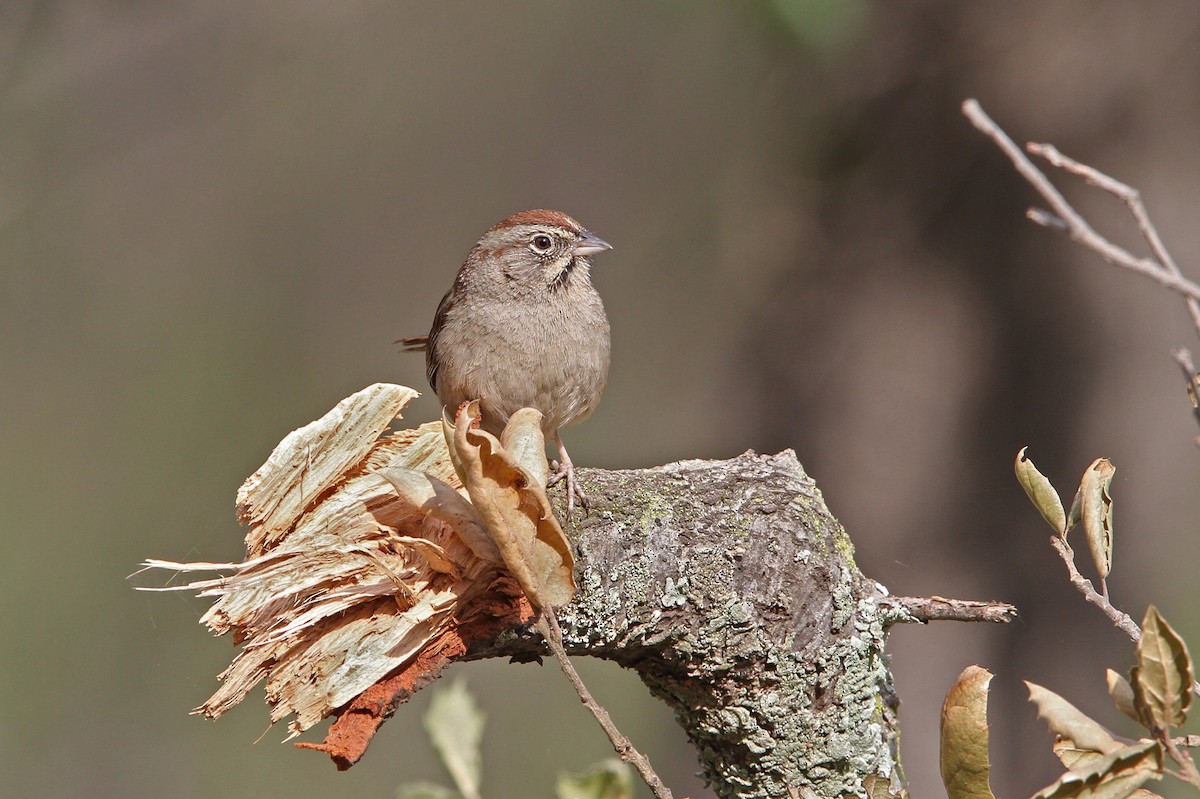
<point>566,471</point>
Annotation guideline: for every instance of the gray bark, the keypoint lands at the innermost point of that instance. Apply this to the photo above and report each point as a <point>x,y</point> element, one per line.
<point>732,591</point>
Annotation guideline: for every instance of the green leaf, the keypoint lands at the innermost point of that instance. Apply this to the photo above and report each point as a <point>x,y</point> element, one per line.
<point>1040,492</point>
<point>1163,676</point>
<point>1113,776</point>
<point>425,790</point>
<point>1070,723</point>
<point>1095,508</point>
<point>964,736</point>
<point>609,779</point>
<point>455,726</point>
<point>1122,694</point>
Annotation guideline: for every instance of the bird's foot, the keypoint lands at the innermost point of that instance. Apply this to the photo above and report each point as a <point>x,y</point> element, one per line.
<point>566,471</point>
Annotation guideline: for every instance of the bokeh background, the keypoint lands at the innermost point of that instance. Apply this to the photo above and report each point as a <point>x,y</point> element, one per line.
<point>216,217</point>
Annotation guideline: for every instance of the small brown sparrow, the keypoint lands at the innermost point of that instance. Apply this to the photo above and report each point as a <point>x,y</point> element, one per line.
<point>523,327</point>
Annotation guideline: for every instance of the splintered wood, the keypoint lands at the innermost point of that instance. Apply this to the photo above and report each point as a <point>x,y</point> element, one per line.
<point>362,549</point>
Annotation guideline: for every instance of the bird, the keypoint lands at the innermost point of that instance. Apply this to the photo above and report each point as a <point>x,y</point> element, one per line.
<point>522,326</point>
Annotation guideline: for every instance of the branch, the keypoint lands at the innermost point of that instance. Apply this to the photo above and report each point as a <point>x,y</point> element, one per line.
<point>548,626</point>
<point>1133,201</point>
<point>727,586</point>
<point>1191,377</point>
<point>732,591</point>
<point>919,609</point>
<point>1064,217</point>
<point>1122,620</point>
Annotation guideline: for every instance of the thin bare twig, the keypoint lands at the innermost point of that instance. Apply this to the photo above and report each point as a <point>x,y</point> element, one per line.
<point>1183,357</point>
<point>547,625</point>
<point>1133,201</point>
<point>1067,218</point>
<point>921,609</point>
<point>1064,217</point>
<point>1184,760</point>
<point>1121,619</point>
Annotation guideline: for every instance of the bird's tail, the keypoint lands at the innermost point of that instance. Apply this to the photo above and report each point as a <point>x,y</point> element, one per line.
<point>414,344</point>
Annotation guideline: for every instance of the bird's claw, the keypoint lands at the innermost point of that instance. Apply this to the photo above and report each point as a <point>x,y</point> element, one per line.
<point>566,471</point>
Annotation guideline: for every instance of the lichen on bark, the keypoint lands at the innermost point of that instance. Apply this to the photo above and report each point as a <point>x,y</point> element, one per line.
<point>732,591</point>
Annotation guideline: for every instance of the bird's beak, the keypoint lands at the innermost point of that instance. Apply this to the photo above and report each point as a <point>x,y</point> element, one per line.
<point>590,244</point>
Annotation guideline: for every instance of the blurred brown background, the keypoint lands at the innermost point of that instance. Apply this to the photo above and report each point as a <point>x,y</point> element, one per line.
<point>215,218</point>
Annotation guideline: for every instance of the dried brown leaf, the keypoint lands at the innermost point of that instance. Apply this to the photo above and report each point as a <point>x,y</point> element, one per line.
<point>515,510</point>
<point>1069,723</point>
<point>1095,508</point>
<point>964,736</point>
<point>1163,676</point>
<point>1112,776</point>
<point>523,439</point>
<point>1085,760</point>
<point>1073,757</point>
<point>1122,694</point>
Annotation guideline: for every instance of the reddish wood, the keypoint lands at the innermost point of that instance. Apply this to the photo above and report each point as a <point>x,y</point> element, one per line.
<point>356,724</point>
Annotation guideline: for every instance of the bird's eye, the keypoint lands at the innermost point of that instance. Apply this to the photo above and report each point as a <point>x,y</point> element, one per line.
<point>541,244</point>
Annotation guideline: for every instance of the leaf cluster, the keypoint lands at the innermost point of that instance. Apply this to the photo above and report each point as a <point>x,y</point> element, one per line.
<point>1157,695</point>
<point>1093,506</point>
<point>1099,765</point>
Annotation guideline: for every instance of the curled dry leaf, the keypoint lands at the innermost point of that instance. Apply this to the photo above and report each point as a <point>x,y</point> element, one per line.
<point>514,506</point>
<point>1069,723</point>
<point>362,550</point>
<point>964,736</point>
<point>1084,761</point>
<point>523,440</point>
<point>1112,776</point>
<point>1073,757</point>
<point>1122,694</point>
<point>1041,493</point>
<point>1163,676</point>
<point>1095,509</point>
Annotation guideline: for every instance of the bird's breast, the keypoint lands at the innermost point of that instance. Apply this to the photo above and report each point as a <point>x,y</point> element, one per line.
<point>553,356</point>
